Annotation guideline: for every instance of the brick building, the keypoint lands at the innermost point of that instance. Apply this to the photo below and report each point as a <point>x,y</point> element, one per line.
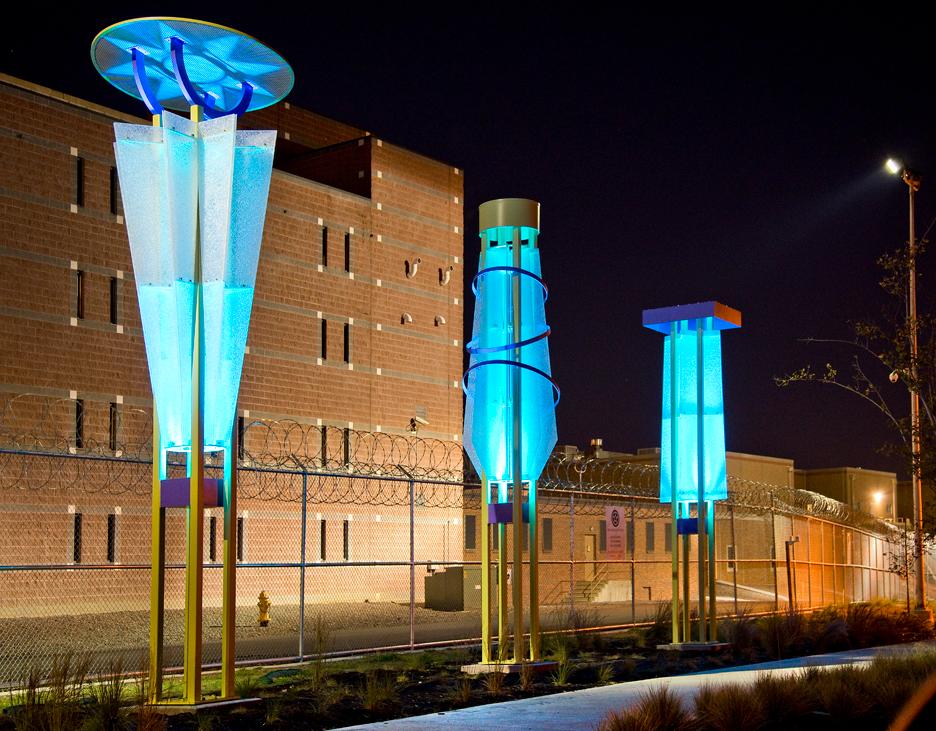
<point>356,327</point>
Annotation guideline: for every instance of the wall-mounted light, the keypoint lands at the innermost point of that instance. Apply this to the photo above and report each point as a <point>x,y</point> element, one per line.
<point>405,318</point>
<point>412,268</point>
<point>439,320</point>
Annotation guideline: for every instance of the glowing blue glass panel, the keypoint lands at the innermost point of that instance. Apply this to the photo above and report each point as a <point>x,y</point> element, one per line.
<point>688,372</point>
<point>489,407</point>
<point>169,177</point>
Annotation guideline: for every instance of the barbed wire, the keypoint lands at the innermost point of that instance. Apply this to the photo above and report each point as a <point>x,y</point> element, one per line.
<point>52,443</point>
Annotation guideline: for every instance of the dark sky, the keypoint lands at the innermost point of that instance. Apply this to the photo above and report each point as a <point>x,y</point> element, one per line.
<point>676,159</point>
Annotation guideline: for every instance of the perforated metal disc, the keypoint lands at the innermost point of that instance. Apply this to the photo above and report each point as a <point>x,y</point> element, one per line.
<point>217,59</point>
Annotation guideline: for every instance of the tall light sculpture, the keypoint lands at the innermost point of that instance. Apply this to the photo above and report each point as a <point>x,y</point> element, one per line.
<point>693,465</point>
<point>510,421</point>
<point>195,194</point>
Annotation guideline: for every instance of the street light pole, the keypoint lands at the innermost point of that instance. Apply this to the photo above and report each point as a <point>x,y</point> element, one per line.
<point>913,181</point>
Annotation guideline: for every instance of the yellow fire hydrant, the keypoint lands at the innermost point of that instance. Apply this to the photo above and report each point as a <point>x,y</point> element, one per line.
<point>264,606</point>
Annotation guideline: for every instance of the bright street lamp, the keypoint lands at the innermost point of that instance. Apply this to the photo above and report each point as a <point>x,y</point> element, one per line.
<point>913,181</point>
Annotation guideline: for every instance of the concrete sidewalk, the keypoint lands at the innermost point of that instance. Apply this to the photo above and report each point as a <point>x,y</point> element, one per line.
<point>584,709</point>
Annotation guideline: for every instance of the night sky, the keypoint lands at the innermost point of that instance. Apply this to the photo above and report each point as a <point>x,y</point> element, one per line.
<point>676,160</point>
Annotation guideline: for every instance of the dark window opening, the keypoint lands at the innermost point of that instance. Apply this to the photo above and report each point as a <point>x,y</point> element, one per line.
<point>630,538</point>
<point>324,446</point>
<point>495,537</point>
<point>668,537</point>
<point>324,246</point>
<point>602,535</point>
<point>79,423</point>
<point>347,252</point>
<point>731,558</point>
<point>113,300</point>
<point>76,538</point>
<point>322,536</point>
<point>112,538</point>
<point>112,428</point>
<point>114,192</point>
<point>650,527</point>
<point>346,446</point>
<point>212,539</point>
<point>471,528</point>
<point>80,294</point>
<point>525,543</point>
<point>324,339</point>
<point>547,534</point>
<point>347,343</point>
<point>345,538</point>
<point>240,539</point>
<point>241,428</point>
<point>79,182</point>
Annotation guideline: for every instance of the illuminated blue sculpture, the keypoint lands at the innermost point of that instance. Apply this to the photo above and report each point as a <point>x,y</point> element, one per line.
<point>693,463</point>
<point>510,422</point>
<point>195,195</point>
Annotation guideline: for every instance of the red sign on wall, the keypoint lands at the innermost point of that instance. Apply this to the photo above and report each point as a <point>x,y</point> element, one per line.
<point>616,546</point>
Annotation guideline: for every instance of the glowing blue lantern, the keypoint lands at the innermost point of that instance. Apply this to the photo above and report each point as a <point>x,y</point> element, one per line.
<point>172,178</point>
<point>509,343</point>
<point>693,405</point>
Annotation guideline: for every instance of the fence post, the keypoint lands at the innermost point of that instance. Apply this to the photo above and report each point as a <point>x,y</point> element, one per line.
<point>412,563</point>
<point>302,566</point>
<point>773,553</point>
<point>734,547</point>
<point>633,561</point>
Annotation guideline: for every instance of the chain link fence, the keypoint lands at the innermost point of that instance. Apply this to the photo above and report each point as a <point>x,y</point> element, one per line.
<point>366,542</point>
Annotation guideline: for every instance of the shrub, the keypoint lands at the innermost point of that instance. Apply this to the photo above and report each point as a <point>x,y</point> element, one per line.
<point>380,691</point>
<point>461,695</point>
<point>494,681</point>
<point>659,708</point>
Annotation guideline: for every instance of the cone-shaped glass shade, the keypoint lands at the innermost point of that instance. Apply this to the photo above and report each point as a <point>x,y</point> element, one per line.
<point>688,371</point>
<point>170,177</point>
<point>489,406</point>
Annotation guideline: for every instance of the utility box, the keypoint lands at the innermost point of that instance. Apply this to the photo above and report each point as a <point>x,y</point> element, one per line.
<point>444,590</point>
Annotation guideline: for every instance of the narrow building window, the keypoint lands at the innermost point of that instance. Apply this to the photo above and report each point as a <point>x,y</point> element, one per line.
<point>80,294</point>
<point>324,447</point>
<point>79,181</point>
<point>112,428</point>
<point>324,246</point>
<point>602,535</point>
<point>345,539</point>
<point>324,339</point>
<point>112,538</point>
<point>470,533</point>
<point>547,534</point>
<point>668,537</point>
<point>650,536</point>
<point>114,192</point>
<point>347,252</point>
<point>346,446</point>
<point>525,543</point>
<point>113,300</point>
<point>495,537</point>
<point>630,538</point>
<point>347,343</point>
<point>212,539</point>
<point>323,533</point>
<point>76,538</point>
<point>240,539</point>
<point>79,423</point>
<point>240,437</point>
<point>731,558</point>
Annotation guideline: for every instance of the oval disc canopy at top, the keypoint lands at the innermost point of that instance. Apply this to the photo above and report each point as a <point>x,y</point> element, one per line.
<point>218,61</point>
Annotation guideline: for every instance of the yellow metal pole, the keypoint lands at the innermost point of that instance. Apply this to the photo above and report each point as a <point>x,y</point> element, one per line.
<point>485,572</point>
<point>534,576</point>
<point>157,554</point>
<point>672,465</point>
<point>192,654</point>
<point>157,569</point>
<point>501,585</point>
<point>517,463</point>
<point>229,589</point>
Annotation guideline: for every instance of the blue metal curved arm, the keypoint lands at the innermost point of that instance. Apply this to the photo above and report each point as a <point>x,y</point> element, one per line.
<point>475,350</point>
<point>142,82</point>
<point>513,270</point>
<point>191,94</point>
<point>518,364</point>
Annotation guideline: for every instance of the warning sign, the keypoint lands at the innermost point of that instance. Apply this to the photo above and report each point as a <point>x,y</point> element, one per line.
<point>614,518</point>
